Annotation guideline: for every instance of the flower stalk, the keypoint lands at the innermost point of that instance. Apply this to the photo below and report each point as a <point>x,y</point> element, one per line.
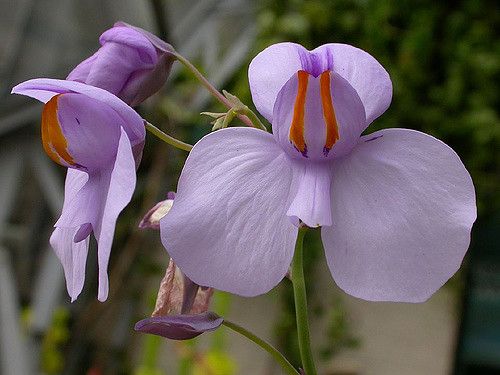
<point>211,89</point>
<point>299,293</point>
<point>167,138</point>
<point>283,362</point>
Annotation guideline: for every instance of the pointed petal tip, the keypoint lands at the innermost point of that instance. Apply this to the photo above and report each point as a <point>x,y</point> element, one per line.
<point>180,327</point>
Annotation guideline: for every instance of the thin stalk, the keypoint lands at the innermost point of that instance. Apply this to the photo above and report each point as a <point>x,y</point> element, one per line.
<point>255,120</point>
<point>167,138</point>
<point>287,366</point>
<point>299,293</point>
<point>211,89</point>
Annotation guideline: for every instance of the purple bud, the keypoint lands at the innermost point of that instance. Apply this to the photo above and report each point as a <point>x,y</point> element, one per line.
<point>180,327</point>
<point>154,215</point>
<point>132,63</point>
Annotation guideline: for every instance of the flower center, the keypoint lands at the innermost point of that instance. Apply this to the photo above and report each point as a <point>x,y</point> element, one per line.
<point>297,127</point>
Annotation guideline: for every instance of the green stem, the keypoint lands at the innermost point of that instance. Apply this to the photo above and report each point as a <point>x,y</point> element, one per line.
<point>299,293</point>
<point>167,138</point>
<point>255,120</point>
<point>289,369</point>
<point>211,89</point>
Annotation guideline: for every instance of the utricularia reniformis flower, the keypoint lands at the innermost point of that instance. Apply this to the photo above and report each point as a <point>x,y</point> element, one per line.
<point>395,207</point>
<point>100,139</point>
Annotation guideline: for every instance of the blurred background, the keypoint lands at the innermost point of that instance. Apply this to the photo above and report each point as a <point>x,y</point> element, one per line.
<point>444,60</point>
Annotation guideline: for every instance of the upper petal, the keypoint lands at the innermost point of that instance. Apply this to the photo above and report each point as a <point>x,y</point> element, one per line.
<point>272,67</point>
<point>403,205</point>
<point>228,227</point>
<point>363,72</point>
<point>44,89</point>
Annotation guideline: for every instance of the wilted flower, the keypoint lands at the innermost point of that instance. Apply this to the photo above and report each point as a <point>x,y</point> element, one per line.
<point>132,63</point>
<point>181,310</point>
<point>100,139</point>
<point>396,207</point>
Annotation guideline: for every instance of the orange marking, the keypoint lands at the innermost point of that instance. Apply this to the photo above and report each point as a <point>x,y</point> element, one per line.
<point>297,126</point>
<point>53,140</point>
<point>332,129</point>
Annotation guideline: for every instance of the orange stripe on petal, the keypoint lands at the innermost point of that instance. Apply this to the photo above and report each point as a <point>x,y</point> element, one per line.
<point>297,126</point>
<point>332,129</point>
<point>53,140</point>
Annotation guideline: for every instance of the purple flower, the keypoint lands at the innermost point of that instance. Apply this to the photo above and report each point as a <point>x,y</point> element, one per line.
<point>132,63</point>
<point>100,139</point>
<point>396,207</point>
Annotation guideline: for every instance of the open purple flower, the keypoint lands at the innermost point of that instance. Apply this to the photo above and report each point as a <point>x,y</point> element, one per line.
<point>100,139</point>
<point>396,207</point>
<point>132,63</point>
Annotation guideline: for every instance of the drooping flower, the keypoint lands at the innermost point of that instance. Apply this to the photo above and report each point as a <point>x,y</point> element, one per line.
<point>100,139</point>
<point>395,207</point>
<point>132,63</point>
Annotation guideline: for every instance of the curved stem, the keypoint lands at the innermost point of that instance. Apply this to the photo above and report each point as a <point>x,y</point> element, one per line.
<point>167,138</point>
<point>289,369</point>
<point>299,293</point>
<point>215,93</point>
<point>255,120</point>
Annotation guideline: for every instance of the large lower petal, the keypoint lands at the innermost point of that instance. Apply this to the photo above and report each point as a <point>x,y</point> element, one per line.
<point>228,227</point>
<point>99,202</point>
<point>403,205</point>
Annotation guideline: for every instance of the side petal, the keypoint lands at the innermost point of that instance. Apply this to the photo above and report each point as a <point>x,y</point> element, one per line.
<point>403,205</point>
<point>363,72</point>
<point>44,89</point>
<point>268,72</point>
<point>118,195</point>
<point>228,227</point>
<point>73,257</point>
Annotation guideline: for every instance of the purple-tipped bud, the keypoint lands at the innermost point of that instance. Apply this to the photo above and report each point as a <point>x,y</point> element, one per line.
<point>180,327</point>
<point>132,63</point>
<point>154,215</point>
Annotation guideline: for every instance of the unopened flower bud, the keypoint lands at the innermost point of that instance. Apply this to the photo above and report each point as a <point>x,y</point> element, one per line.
<point>132,63</point>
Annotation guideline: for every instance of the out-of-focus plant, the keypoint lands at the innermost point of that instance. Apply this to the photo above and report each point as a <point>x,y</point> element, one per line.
<point>52,351</point>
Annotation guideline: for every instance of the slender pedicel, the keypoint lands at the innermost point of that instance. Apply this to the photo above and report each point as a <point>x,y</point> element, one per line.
<point>332,129</point>
<point>54,142</point>
<point>167,138</point>
<point>211,89</point>
<point>297,126</point>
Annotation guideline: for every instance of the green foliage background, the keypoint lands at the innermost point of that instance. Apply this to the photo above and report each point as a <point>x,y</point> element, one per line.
<point>443,58</point>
